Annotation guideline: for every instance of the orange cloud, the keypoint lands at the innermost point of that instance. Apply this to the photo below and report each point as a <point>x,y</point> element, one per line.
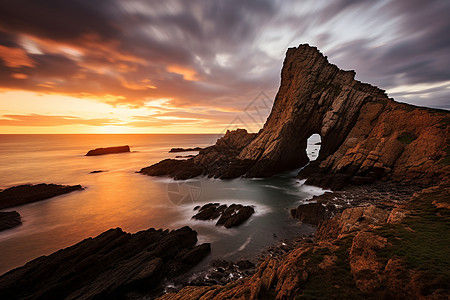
<point>19,76</point>
<point>15,57</point>
<point>43,120</point>
<point>187,73</point>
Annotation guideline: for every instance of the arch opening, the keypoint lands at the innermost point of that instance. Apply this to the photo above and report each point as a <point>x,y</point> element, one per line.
<point>313,145</point>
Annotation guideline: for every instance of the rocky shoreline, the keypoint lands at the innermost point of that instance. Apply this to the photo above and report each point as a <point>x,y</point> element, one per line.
<point>358,253</point>
<point>113,265</point>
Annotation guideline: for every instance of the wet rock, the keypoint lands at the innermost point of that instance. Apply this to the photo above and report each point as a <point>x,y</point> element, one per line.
<point>245,264</point>
<point>108,150</point>
<point>235,215</point>
<point>229,216</point>
<point>27,193</point>
<point>109,266</point>
<point>178,169</point>
<point>9,219</point>
<point>312,213</point>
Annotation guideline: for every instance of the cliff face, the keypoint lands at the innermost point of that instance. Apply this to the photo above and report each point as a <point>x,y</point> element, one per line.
<point>366,136</point>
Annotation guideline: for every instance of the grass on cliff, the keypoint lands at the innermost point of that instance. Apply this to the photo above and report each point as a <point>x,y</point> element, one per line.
<point>423,239</point>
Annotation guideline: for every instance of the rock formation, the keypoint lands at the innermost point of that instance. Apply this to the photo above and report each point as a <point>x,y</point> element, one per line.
<point>185,149</point>
<point>113,265</point>
<point>366,136</point>
<point>108,150</point>
<point>27,193</point>
<point>9,219</point>
<point>228,216</point>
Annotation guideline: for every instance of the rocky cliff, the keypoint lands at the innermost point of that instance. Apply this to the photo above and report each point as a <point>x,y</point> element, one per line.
<point>366,136</point>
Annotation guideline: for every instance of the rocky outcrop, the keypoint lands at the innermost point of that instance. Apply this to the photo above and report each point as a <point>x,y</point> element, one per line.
<point>366,136</point>
<point>9,219</point>
<point>313,213</point>
<point>113,265</point>
<point>108,150</point>
<point>228,216</point>
<point>185,149</point>
<point>357,254</point>
<point>27,193</point>
<point>215,161</point>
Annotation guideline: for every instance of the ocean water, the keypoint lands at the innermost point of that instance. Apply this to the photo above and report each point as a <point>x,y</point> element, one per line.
<point>120,197</point>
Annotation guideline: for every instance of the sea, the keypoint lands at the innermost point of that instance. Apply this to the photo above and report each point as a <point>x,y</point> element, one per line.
<point>121,197</point>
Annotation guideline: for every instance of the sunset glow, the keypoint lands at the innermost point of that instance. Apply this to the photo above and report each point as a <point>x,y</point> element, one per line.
<point>98,68</point>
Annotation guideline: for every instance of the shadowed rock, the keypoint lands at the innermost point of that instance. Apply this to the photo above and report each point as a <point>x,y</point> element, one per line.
<point>9,219</point>
<point>312,213</point>
<point>185,149</point>
<point>231,216</point>
<point>178,169</point>
<point>109,266</point>
<point>108,150</point>
<point>28,193</point>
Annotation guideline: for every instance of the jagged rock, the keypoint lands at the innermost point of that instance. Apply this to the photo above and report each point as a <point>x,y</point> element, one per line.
<point>185,149</point>
<point>312,213</point>
<point>365,135</point>
<point>215,161</point>
<point>229,216</point>
<point>108,266</point>
<point>351,220</point>
<point>364,263</point>
<point>9,219</point>
<point>108,150</point>
<point>27,193</point>
<point>178,169</point>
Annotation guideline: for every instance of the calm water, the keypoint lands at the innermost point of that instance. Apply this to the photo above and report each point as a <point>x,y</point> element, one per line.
<point>122,198</point>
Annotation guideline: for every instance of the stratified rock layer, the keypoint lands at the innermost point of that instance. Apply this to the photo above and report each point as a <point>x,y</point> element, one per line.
<point>366,136</point>
<point>109,266</point>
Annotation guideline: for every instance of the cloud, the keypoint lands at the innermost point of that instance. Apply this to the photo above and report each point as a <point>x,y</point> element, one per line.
<point>44,120</point>
<point>215,54</point>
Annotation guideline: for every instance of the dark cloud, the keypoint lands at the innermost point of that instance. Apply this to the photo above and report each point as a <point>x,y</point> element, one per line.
<point>215,53</point>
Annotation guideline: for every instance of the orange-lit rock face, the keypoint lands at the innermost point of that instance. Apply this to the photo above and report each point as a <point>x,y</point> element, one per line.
<point>365,135</point>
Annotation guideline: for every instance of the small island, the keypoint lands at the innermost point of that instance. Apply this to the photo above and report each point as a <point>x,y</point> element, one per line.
<point>108,150</point>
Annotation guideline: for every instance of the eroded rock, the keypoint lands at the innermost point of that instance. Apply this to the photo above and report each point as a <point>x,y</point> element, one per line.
<point>108,150</point>
<point>228,216</point>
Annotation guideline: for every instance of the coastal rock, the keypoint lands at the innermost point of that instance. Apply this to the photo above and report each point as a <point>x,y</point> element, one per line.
<point>108,150</point>
<point>351,220</point>
<point>217,161</point>
<point>109,266</point>
<point>229,216</point>
<point>365,136</point>
<point>9,219</point>
<point>178,169</point>
<point>27,193</point>
<point>312,213</point>
<point>185,149</point>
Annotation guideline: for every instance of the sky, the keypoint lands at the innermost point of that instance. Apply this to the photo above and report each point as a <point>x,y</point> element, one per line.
<point>202,66</point>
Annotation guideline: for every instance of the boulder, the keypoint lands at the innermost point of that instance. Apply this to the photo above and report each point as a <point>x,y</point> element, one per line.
<point>28,193</point>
